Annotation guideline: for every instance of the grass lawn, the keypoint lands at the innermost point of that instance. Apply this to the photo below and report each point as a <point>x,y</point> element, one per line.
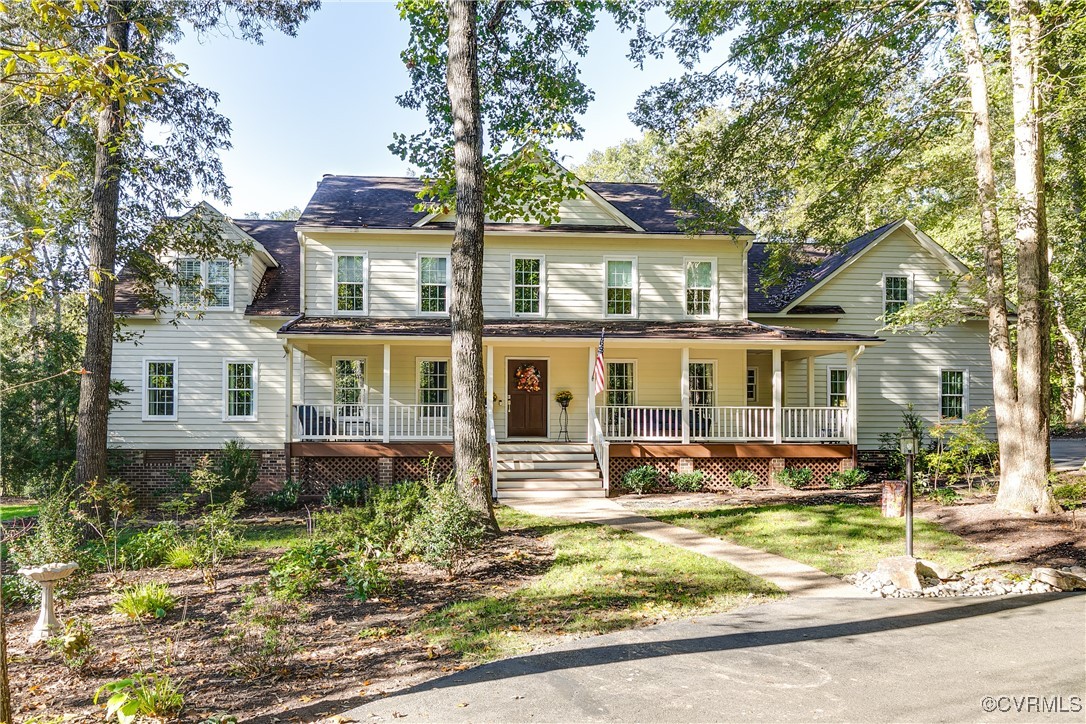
<point>7,512</point>
<point>838,539</point>
<point>275,535</point>
<point>602,579</point>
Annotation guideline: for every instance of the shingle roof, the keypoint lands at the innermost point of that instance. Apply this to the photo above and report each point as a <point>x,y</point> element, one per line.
<point>277,295</point>
<point>562,328</point>
<point>814,265</point>
<point>384,202</point>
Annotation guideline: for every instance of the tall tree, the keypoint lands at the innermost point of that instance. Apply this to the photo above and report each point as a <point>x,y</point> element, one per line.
<point>507,67</point>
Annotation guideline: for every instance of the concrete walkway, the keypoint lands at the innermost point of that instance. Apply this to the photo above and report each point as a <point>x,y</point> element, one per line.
<point>796,578</point>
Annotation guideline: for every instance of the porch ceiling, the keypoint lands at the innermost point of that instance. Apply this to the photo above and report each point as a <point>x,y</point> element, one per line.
<point>746,332</point>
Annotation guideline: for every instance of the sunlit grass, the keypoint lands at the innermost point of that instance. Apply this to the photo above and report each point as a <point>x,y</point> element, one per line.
<point>838,539</point>
<point>7,511</point>
<point>602,579</point>
<point>277,535</point>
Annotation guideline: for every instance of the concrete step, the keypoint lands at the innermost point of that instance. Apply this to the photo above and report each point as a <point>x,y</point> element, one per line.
<point>546,465</point>
<point>592,474</point>
<point>544,447</point>
<point>548,484</point>
<point>550,494</point>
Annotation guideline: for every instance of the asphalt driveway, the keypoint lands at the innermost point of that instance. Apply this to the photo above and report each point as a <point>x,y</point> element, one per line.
<point>1019,658</point>
<point>1068,453</point>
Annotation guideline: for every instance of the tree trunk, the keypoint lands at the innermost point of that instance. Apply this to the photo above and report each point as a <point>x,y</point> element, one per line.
<point>93,412</point>
<point>1027,491</point>
<point>470,456</point>
<point>1008,424</point>
<point>1076,409</point>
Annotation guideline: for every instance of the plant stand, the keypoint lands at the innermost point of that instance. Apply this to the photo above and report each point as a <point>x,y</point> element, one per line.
<point>563,422</point>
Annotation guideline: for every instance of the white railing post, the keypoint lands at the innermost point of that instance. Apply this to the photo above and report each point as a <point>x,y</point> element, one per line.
<point>811,381</point>
<point>591,394</point>
<point>778,380</point>
<point>684,391</point>
<point>853,393</point>
<point>386,401</point>
<point>288,385</point>
<point>492,442</point>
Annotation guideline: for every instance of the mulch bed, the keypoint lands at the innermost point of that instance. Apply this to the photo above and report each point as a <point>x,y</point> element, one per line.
<point>335,669</point>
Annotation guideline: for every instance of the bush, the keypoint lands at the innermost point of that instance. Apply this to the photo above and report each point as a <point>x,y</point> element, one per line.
<point>145,600</point>
<point>286,498</point>
<point>944,496</point>
<point>795,478</point>
<point>692,482</point>
<point>301,570</point>
<point>446,529</point>
<point>142,695</point>
<point>74,646</point>
<point>362,574</point>
<point>237,468</point>
<point>743,478</point>
<point>260,634</point>
<point>55,538</point>
<point>641,480</point>
<point>349,494</point>
<point>845,479</point>
<point>962,450</point>
<point>150,547</point>
<point>1070,496</point>
<point>180,556</point>
<point>382,521</point>
<point>216,537</point>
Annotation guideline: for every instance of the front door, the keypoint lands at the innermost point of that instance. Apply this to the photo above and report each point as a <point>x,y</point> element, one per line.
<point>527,398</point>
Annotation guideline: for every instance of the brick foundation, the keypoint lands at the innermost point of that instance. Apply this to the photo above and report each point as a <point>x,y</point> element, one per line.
<point>155,476</point>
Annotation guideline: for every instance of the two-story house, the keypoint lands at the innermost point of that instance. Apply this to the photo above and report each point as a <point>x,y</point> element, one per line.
<point>327,349</point>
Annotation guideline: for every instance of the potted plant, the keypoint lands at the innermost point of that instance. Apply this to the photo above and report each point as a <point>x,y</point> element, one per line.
<point>563,397</point>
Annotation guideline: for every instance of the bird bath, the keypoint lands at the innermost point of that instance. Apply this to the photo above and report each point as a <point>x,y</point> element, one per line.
<point>47,577</point>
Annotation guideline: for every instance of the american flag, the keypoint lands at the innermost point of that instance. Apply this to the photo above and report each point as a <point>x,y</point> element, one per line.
<point>600,371</point>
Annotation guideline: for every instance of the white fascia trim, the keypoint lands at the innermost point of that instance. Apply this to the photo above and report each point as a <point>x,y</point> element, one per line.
<point>626,343</point>
<point>580,231</point>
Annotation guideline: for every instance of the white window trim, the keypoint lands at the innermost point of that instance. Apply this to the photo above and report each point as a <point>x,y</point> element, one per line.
<point>542,285</point>
<point>418,282</point>
<point>635,381</point>
<point>965,396</point>
<point>829,384</point>
<point>746,385</point>
<point>636,281</point>
<point>713,295</point>
<point>336,311</point>
<point>366,384</point>
<point>143,401</point>
<point>418,378</point>
<point>909,288</point>
<point>716,388</point>
<point>227,361</point>
<point>202,307</point>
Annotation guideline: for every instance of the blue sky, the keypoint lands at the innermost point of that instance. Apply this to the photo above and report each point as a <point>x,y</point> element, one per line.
<point>324,101</point>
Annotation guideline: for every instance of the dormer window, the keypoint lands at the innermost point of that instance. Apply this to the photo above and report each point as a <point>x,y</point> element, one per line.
<point>207,284</point>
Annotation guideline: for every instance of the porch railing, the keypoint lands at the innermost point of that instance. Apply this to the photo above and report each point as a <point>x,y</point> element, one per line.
<point>601,446</point>
<point>815,424</point>
<point>366,422</point>
<point>492,443</point>
<point>704,423</point>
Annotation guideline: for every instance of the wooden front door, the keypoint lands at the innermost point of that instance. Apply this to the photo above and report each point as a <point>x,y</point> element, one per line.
<point>527,398</point>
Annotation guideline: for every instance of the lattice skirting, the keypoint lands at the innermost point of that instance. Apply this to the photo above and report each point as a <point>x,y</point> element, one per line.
<point>717,470</point>
<point>318,474</point>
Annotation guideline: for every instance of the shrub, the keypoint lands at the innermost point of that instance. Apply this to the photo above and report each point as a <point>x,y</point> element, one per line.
<point>362,574</point>
<point>692,482</point>
<point>743,478</point>
<point>286,498</point>
<point>845,479</point>
<point>216,537</point>
<point>1070,496</point>
<point>944,496</point>
<point>145,600</point>
<point>641,480</point>
<point>260,634</point>
<point>74,645</point>
<point>301,570</point>
<point>237,469</point>
<point>180,556</point>
<point>55,538</point>
<point>349,494</point>
<point>962,450</point>
<point>150,547</point>
<point>18,591</point>
<point>446,529</point>
<point>795,478</point>
<point>382,521</point>
<point>142,695</point>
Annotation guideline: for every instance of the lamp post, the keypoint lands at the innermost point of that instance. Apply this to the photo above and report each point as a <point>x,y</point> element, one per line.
<point>908,449</point>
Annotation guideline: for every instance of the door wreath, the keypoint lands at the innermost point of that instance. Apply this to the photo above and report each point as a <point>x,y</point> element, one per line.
<point>527,378</point>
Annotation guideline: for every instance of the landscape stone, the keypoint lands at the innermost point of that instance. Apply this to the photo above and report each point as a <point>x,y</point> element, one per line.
<point>1059,579</point>
<point>903,571</point>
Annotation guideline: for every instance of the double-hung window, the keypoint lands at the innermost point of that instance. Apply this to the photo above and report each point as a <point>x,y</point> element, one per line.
<point>620,384</point>
<point>160,389</point>
<point>351,297</point>
<point>952,394</point>
<point>702,378</point>
<point>205,284</point>
<point>527,286</point>
<point>433,284</point>
<point>700,285</point>
<point>434,387</point>
<point>239,389</point>
<point>621,278</point>
<point>837,386</point>
<point>752,384</point>
<point>349,383</point>
<point>895,294</point>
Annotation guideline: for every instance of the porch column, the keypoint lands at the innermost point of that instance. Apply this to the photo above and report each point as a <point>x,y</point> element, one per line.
<point>288,396</point>
<point>810,381</point>
<point>386,384</point>
<point>591,392</point>
<point>684,392</point>
<point>778,395</point>
<point>852,390</point>
<point>490,379</point>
